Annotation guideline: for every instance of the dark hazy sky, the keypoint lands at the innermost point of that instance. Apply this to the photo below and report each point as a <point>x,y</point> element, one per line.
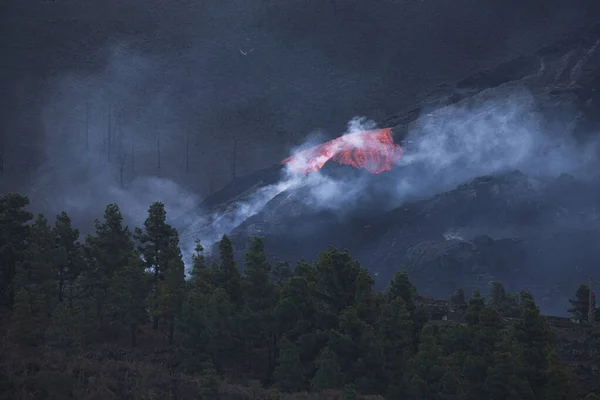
<point>177,66</point>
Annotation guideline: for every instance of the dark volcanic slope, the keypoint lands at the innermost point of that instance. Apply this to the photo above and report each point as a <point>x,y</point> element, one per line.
<point>530,229</point>
<point>563,72</point>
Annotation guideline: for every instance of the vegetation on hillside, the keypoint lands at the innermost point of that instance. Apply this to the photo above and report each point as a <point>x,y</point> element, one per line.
<point>113,317</point>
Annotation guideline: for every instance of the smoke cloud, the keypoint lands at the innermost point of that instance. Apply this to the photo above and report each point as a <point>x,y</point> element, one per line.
<point>505,130</point>
<point>104,137</point>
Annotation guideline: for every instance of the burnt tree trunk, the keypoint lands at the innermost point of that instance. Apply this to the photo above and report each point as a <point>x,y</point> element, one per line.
<point>158,150</point>
<point>132,157</point>
<point>87,125</point>
<point>109,132</point>
<point>187,152</point>
<point>234,158</point>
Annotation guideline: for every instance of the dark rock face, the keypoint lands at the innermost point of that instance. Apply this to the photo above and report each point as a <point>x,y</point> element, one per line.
<point>540,233</point>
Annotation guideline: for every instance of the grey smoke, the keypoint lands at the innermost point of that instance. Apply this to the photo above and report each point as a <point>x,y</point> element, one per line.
<point>79,175</point>
<point>504,131</point>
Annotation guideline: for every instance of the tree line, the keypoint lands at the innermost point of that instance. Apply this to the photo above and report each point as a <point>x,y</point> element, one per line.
<point>318,327</point>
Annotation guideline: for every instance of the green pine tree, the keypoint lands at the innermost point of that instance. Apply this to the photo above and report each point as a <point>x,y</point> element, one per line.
<point>209,384</point>
<point>38,270</point>
<point>289,373</point>
<point>328,374</point>
<point>14,232</point>
<point>171,295</point>
<point>107,252</point>
<point>69,257</point>
<point>159,246</point>
<point>227,275</point>
<point>23,320</point>
<point>127,296</point>
<point>61,332</point>
<point>580,304</point>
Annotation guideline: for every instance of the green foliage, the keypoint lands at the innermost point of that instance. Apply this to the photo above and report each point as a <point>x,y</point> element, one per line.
<point>289,374</point>
<point>209,384</point>
<point>328,374</point>
<point>61,332</point>
<point>320,327</point>
<point>127,296</point>
<point>69,260</point>
<point>14,234</point>
<point>106,252</point>
<point>23,321</point>
<point>227,275</point>
<point>458,298</point>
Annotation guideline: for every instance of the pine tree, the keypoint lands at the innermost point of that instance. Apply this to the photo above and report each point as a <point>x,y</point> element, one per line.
<point>536,341</point>
<point>227,275</point>
<point>38,270</point>
<point>171,295</point>
<point>107,252</point>
<point>458,298</point>
<point>209,385</point>
<point>427,367</point>
<point>260,298</point>
<point>498,295</point>
<point>501,382</point>
<point>402,287</point>
<point>476,305</point>
<point>61,332</point>
<point>159,246</point>
<point>14,232</point>
<point>23,321</point>
<point>395,333</point>
<point>296,309</point>
<point>342,282</point>
<point>221,317</point>
<point>195,331</point>
<point>201,276</point>
<point>580,304</point>
<point>259,292</point>
<point>328,374</point>
<point>289,373</point>
<point>127,296</point>
<point>69,256</point>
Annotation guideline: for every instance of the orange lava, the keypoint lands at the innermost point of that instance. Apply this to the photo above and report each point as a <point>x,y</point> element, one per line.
<point>374,151</point>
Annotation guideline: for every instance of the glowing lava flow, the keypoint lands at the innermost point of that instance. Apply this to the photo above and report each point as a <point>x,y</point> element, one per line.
<point>374,151</point>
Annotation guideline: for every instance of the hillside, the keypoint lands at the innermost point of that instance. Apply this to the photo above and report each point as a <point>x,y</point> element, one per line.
<point>497,182</point>
<point>94,320</point>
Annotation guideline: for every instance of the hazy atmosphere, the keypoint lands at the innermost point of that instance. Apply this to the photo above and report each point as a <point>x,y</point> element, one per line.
<point>200,79</point>
<point>300,200</point>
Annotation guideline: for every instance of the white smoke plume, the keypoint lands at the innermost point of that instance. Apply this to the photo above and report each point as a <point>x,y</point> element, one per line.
<point>450,146</point>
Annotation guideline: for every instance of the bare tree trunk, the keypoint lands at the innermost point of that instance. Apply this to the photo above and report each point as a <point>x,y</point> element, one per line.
<point>158,150</point>
<point>132,157</point>
<point>122,164</point>
<point>87,125</point>
<point>109,131</point>
<point>122,155</point>
<point>234,157</point>
<point>187,152</point>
